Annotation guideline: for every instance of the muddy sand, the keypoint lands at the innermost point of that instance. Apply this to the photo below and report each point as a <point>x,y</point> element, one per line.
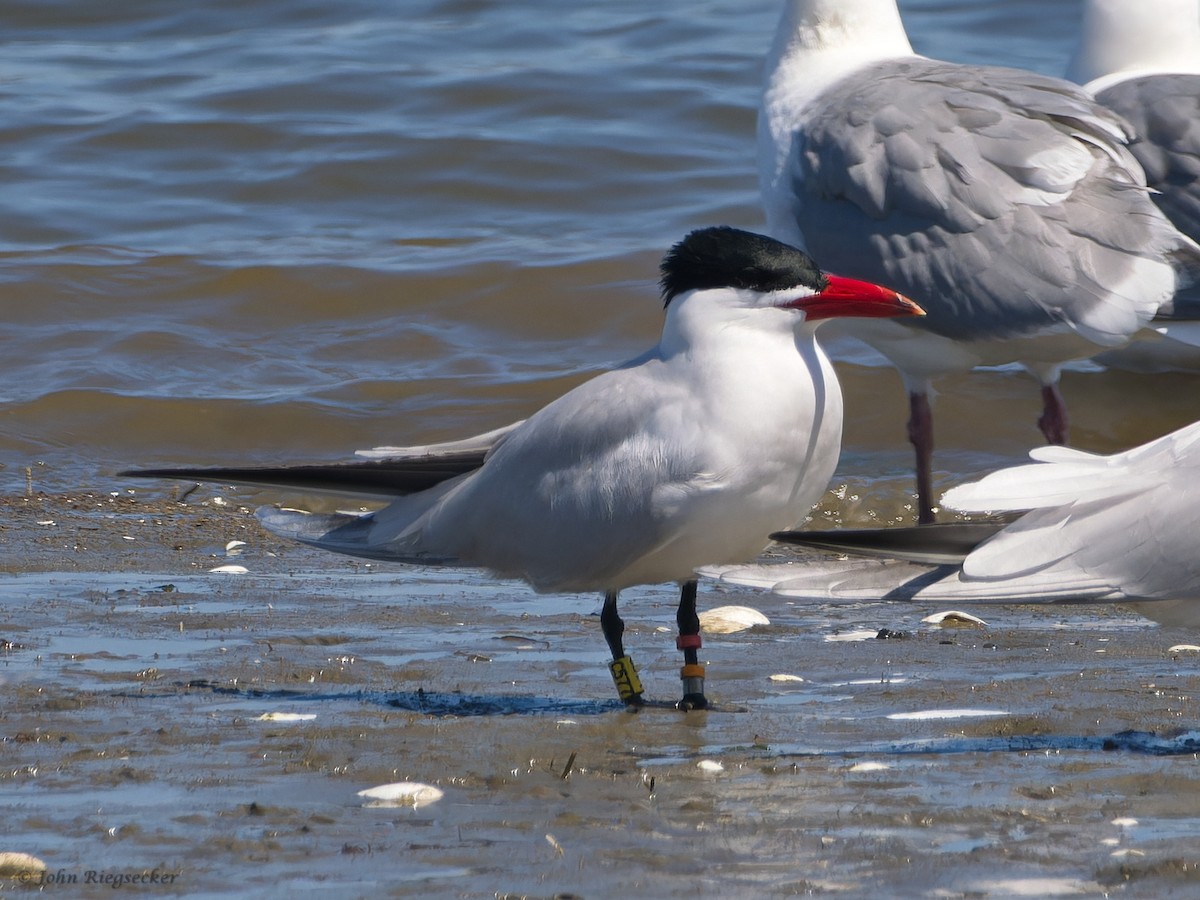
<point>170,730</point>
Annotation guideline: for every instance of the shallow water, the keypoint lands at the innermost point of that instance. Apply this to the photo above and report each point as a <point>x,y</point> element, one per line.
<point>275,230</point>
<point>263,231</point>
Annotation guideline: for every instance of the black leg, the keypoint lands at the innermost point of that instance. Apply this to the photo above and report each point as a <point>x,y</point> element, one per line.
<point>1053,421</point>
<point>688,641</point>
<point>920,433</point>
<point>613,627</point>
<point>625,676</point>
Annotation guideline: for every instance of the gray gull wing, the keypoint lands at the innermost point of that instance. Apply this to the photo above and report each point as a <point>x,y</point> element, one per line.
<point>970,188</point>
<point>1164,111</point>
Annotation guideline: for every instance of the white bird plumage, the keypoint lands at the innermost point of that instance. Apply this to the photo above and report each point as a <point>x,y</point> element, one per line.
<point>691,454</point>
<point>1121,40</point>
<point>1007,203</point>
<point>1114,529</point>
<point>729,428</point>
<point>1142,61</point>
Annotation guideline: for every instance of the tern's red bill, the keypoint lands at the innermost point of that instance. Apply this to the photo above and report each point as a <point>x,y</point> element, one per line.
<point>843,297</point>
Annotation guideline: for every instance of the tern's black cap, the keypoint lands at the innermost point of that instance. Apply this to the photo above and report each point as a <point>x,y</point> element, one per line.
<point>729,257</point>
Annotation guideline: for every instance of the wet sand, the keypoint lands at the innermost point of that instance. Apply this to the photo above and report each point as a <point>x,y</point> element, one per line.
<point>1046,754</point>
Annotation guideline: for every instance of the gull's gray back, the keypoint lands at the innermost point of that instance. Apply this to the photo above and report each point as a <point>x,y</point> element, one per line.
<point>1164,111</point>
<point>969,189</point>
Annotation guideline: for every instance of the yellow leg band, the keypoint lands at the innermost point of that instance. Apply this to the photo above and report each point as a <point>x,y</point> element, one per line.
<point>625,677</point>
<point>692,675</point>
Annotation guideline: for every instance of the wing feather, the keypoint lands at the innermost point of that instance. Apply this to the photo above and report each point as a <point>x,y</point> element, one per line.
<point>970,188</point>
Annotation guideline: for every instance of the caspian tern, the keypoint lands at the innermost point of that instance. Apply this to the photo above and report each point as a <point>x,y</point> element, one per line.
<point>1142,60</point>
<point>1087,529</point>
<point>1007,203</point>
<point>690,454</point>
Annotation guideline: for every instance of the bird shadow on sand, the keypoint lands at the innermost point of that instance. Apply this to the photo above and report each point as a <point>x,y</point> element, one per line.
<point>1179,742</point>
<point>439,703</point>
<point>432,703</point>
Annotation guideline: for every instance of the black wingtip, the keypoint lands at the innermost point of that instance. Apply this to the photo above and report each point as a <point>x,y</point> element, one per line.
<point>159,473</point>
<point>940,543</point>
<point>373,478</point>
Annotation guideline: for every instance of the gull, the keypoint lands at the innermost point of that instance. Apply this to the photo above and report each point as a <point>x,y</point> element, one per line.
<point>1077,527</point>
<point>1142,61</point>
<point>1006,203</point>
<point>730,428</point>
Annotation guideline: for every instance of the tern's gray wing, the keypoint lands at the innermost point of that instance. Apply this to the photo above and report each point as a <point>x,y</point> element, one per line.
<point>532,511</point>
<point>1164,111</point>
<point>1006,202</point>
<point>580,460</point>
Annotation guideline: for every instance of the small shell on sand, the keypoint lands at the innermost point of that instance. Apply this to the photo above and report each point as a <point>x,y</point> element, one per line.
<point>728,619</point>
<point>286,717</point>
<point>870,767</point>
<point>15,865</point>
<point>953,618</point>
<point>401,793</point>
<point>933,715</point>
<point>858,635</point>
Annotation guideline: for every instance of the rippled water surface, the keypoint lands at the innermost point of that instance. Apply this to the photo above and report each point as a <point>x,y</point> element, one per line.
<point>272,230</point>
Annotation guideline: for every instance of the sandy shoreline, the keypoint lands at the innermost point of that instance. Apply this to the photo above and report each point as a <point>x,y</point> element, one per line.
<point>953,762</point>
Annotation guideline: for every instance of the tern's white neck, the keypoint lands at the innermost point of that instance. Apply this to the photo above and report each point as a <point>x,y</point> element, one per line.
<point>1123,39</point>
<point>725,323</point>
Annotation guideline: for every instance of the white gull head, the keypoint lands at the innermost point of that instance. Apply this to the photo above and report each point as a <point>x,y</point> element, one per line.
<point>1122,39</point>
<point>817,43</point>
